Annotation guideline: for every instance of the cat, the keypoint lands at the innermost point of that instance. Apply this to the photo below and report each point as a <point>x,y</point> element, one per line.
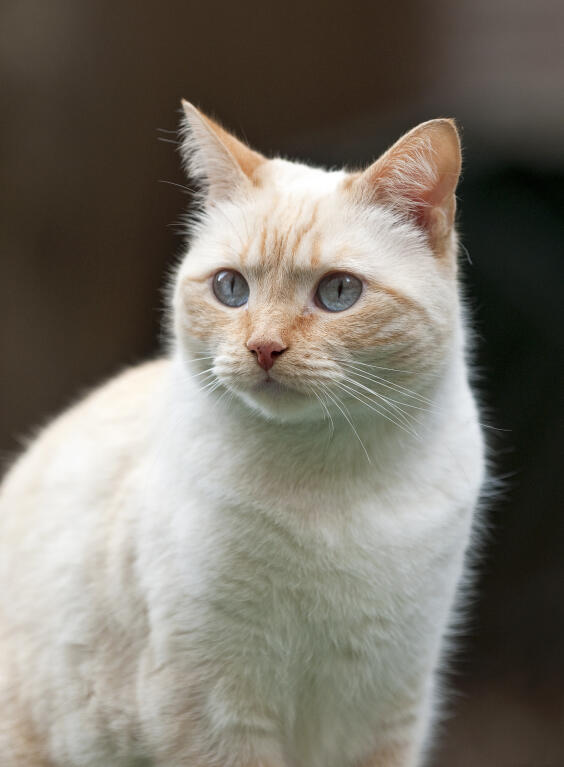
<point>247,553</point>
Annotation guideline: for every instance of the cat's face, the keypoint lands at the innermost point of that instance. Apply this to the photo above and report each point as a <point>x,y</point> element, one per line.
<point>301,294</point>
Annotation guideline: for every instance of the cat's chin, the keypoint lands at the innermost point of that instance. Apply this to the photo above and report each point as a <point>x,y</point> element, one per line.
<point>276,401</point>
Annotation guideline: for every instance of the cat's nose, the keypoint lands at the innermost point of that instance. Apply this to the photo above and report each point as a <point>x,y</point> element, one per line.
<point>266,352</point>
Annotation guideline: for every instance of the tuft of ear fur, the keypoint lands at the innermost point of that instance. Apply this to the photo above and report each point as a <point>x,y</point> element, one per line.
<point>215,157</point>
<point>417,177</point>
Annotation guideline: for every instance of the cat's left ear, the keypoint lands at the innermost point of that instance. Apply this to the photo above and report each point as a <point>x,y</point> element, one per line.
<point>417,177</point>
<point>212,155</point>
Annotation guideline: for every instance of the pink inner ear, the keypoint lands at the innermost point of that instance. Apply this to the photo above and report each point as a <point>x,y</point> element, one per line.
<point>436,204</point>
<point>418,176</point>
<point>211,153</point>
<point>415,173</point>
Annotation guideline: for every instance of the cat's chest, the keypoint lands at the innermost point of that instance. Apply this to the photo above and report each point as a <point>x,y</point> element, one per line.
<point>319,631</point>
<point>326,589</point>
<point>312,602</point>
<point>305,556</point>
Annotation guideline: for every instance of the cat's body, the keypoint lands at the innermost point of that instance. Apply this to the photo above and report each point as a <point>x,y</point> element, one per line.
<point>195,583</point>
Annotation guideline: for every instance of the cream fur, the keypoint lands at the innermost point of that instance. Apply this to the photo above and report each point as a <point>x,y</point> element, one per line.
<point>199,569</point>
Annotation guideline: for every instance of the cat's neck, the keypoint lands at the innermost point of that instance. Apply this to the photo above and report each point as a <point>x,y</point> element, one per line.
<point>215,449</point>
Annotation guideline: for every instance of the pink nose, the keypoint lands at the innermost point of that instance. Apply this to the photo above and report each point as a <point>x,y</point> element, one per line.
<point>266,352</point>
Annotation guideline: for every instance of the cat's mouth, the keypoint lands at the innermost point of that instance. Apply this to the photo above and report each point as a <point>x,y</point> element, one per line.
<point>270,388</point>
<point>269,385</point>
<point>275,398</point>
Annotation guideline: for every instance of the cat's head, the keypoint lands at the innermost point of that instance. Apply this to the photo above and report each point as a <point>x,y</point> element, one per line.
<point>305,290</point>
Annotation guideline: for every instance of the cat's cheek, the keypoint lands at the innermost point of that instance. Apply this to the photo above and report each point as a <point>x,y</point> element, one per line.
<point>304,327</point>
<point>199,318</point>
<point>395,330</point>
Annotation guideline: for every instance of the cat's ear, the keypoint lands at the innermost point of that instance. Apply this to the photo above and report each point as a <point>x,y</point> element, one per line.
<point>417,176</point>
<point>220,161</point>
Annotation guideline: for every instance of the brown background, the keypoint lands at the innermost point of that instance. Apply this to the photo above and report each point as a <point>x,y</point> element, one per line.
<point>87,234</point>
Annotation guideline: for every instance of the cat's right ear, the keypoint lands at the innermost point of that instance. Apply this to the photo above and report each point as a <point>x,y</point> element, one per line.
<point>223,164</point>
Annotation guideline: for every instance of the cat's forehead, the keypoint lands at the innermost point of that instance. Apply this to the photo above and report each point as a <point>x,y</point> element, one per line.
<point>291,222</point>
<point>296,220</point>
<point>294,178</point>
<point>290,232</point>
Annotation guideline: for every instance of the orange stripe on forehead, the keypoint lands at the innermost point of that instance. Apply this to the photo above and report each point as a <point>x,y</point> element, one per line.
<point>280,239</point>
<point>265,230</point>
<point>315,259</point>
<point>277,247</point>
<point>304,229</point>
<point>262,244</point>
<point>245,252</point>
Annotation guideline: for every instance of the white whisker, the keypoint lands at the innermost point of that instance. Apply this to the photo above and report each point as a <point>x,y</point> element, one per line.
<point>355,395</point>
<point>227,391</point>
<point>327,414</point>
<point>214,383</point>
<point>335,399</point>
<point>377,367</point>
<point>389,384</point>
<point>203,372</point>
<point>387,403</point>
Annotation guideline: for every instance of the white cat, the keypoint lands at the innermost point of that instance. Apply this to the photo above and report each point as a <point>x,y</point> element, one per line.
<point>246,554</point>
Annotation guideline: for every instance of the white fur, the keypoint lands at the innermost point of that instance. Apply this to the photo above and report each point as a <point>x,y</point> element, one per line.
<point>187,581</point>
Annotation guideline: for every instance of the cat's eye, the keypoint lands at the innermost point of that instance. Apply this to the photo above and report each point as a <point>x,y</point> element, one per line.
<point>338,291</point>
<point>230,288</point>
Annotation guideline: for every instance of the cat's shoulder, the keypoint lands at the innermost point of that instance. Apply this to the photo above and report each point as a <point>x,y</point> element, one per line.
<point>110,417</point>
<point>125,391</point>
<point>122,397</point>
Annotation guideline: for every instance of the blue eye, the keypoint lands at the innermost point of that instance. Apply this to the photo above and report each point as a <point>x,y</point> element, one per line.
<point>339,291</point>
<point>230,288</point>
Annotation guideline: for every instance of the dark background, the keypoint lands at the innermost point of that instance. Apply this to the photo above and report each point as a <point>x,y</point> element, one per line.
<point>87,233</point>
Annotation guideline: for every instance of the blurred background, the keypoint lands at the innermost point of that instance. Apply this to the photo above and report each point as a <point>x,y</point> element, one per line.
<point>87,233</point>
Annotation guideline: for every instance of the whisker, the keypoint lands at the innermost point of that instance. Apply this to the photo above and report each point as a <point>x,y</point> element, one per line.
<point>395,407</point>
<point>388,417</point>
<point>173,183</point>
<point>327,414</point>
<point>390,384</point>
<point>466,253</point>
<point>196,375</point>
<point>213,383</point>
<point>227,391</point>
<point>334,398</point>
<point>425,405</point>
<point>378,367</point>
<point>216,386</point>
